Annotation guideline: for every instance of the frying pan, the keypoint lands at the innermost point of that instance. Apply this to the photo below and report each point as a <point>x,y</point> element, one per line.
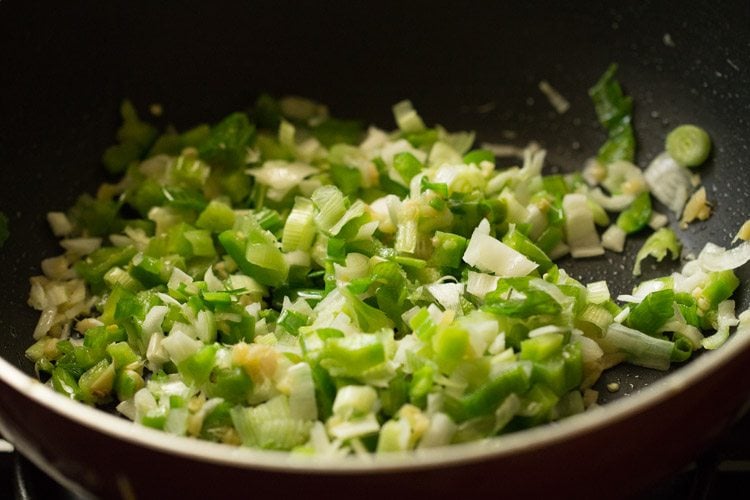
<point>66,68</point>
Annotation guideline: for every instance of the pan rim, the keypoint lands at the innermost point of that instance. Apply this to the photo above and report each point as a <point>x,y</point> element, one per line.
<point>452,455</point>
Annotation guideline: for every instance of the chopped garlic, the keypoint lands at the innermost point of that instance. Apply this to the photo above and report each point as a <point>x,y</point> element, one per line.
<point>744,232</point>
<point>697,207</point>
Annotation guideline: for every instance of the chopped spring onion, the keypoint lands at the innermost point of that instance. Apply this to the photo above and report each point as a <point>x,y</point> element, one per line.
<point>657,245</point>
<point>744,232</point>
<point>579,226</point>
<point>282,280</point>
<point>669,182</point>
<point>715,258</point>
<point>688,145</point>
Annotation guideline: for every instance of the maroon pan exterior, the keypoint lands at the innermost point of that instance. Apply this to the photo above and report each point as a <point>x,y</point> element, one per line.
<point>617,450</point>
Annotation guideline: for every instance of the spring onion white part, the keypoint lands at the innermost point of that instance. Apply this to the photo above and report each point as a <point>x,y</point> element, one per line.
<point>614,238</point>
<point>287,280</point>
<point>579,226</point>
<point>490,255</point>
<point>669,182</point>
<point>716,258</point>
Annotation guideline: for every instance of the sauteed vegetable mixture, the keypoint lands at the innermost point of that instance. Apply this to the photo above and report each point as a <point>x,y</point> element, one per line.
<point>287,280</point>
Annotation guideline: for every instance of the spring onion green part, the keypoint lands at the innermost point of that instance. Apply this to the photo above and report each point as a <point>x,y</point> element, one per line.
<point>286,280</point>
<point>613,109</point>
<point>658,245</point>
<point>689,145</point>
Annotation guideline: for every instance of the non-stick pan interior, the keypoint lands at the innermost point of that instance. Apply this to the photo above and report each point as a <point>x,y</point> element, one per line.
<point>65,70</point>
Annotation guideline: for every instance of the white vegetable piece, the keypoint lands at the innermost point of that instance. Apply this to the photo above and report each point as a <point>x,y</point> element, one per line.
<point>579,227</point>
<point>491,255</point>
<point>669,182</point>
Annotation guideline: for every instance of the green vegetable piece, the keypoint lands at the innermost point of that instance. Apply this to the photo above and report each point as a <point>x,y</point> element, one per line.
<point>477,156</point>
<point>483,401</point>
<point>217,422</point>
<point>719,286</point>
<point>387,184</point>
<point>652,312</point>
<point>682,350</point>
<point>610,103</point>
<point>292,321</point>
<point>150,271</point>
<point>261,261</point>
<point>156,418</point>
<point>521,243</point>
<point>421,385</point>
<point>184,198</point>
<point>535,303</point>
<point>120,300</point>
<point>542,347</point>
<point>101,337</point>
<point>127,383</point>
<point>116,158</point>
<point>64,383</point>
<point>95,217</point>
<point>449,250</point>
<point>613,109</point>
<point>325,391</point>
<point>188,172</point>
<point>422,325</point>
<point>267,112</point>
<point>688,145</point>
<point>134,137</point>
<point>367,317</point>
<point>550,238</point>
<point>232,332</point>
<point>657,245</point>
<point>269,219</point>
<point>440,188</point>
<point>352,356</point>
<point>407,165</point>
<point>216,298</point>
<point>620,145</point>
<point>41,349</point>
<point>348,179</point>
<point>93,268</point>
<point>146,195</point>
<point>197,368</point>
<point>688,308</point>
<point>335,131</point>
<point>423,138</point>
<point>450,344</point>
<point>231,384</point>
<point>537,405</point>
<point>200,242</point>
<point>636,216</point>
<point>394,396</point>
<point>117,276</point>
<point>122,354</point>
<point>555,185</point>
<point>270,425</point>
<point>96,383</point>
<point>227,144</point>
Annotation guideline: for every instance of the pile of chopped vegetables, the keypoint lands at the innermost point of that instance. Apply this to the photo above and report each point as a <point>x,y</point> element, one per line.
<point>286,280</point>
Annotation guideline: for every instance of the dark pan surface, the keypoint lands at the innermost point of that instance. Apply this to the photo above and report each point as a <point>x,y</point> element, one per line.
<point>65,71</point>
